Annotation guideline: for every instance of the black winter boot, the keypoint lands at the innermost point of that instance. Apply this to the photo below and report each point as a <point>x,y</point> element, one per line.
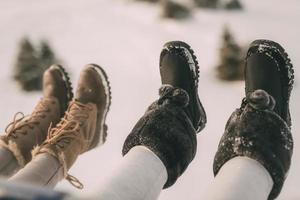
<point>260,129</point>
<point>168,128</point>
<point>269,68</point>
<point>179,68</point>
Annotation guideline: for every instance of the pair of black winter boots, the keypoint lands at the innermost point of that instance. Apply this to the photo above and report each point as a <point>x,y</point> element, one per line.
<point>259,129</point>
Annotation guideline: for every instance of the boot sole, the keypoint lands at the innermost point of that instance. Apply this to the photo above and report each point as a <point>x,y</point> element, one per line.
<point>67,82</point>
<point>194,70</point>
<point>107,88</point>
<point>277,53</point>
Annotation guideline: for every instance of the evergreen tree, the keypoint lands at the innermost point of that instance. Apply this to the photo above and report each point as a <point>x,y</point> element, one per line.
<point>46,55</point>
<point>233,5</point>
<point>151,1</point>
<point>231,57</point>
<point>27,70</point>
<point>172,9</point>
<point>207,3</point>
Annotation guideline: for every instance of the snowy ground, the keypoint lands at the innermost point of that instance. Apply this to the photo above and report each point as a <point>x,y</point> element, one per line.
<point>126,39</point>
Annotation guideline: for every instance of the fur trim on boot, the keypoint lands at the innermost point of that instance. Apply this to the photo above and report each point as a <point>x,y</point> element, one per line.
<point>59,156</point>
<point>257,132</point>
<point>13,148</point>
<point>167,131</point>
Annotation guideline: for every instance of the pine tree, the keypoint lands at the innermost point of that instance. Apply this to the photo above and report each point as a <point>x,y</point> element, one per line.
<point>231,56</point>
<point>234,5</point>
<point>27,70</point>
<point>172,9</point>
<point>207,3</point>
<point>151,1</point>
<point>46,55</point>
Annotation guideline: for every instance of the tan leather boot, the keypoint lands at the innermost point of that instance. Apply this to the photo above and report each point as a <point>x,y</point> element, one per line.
<point>83,126</point>
<point>26,132</point>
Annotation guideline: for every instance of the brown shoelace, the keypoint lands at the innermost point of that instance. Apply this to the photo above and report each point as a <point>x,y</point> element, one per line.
<point>16,126</point>
<point>67,129</point>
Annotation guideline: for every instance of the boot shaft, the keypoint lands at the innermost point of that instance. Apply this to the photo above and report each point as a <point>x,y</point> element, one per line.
<point>24,133</point>
<point>29,131</point>
<point>257,132</point>
<point>73,135</point>
<point>167,131</point>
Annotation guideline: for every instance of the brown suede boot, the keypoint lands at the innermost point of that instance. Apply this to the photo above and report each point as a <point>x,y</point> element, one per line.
<point>26,132</point>
<point>83,126</point>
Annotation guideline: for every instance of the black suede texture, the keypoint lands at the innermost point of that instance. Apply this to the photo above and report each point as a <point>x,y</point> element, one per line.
<point>167,131</point>
<point>257,132</point>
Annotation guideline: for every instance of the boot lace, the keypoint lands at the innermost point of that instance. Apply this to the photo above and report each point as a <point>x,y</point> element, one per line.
<point>70,125</point>
<point>67,130</point>
<point>20,120</point>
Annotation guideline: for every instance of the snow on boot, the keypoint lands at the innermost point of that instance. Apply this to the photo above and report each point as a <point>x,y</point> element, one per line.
<point>268,59</point>
<point>260,129</point>
<point>179,68</point>
<point>168,128</point>
<point>26,132</point>
<point>83,126</point>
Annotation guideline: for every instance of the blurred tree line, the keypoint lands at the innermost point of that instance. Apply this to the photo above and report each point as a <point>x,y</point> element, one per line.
<point>177,9</point>
<point>231,54</point>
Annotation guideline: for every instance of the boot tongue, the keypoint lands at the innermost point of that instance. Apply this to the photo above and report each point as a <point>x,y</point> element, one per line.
<point>78,111</point>
<point>82,100</point>
<point>262,73</point>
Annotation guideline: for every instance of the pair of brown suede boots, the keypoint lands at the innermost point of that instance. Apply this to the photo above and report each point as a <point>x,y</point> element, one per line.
<point>61,125</point>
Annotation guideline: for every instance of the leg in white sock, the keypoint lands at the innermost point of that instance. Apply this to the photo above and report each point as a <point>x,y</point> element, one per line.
<point>141,175</point>
<point>241,178</point>
<point>43,170</point>
<point>8,163</point>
